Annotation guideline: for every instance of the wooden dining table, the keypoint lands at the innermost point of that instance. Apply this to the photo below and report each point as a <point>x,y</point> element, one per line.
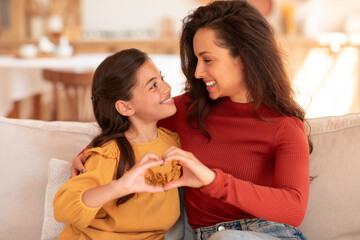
<point>22,78</point>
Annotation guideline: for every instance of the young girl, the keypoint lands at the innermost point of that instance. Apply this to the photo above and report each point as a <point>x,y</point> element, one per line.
<point>121,195</point>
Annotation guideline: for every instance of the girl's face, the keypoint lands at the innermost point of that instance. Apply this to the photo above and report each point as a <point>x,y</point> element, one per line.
<point>151,98</point>
<point>221,73</point>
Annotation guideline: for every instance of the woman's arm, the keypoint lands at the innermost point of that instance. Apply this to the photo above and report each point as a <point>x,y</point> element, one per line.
<point>285,201</point>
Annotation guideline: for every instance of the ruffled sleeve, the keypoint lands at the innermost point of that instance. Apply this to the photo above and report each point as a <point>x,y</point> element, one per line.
<point>174,136</point>
<point>100,168</point>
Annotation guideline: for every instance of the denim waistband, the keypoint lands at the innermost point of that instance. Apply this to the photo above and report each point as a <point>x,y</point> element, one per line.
<point>251,224</point>
<point>237,224</point>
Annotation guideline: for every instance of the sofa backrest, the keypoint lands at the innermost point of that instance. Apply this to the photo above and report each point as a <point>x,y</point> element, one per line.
<point>334,202</point>
<point>26,146</point>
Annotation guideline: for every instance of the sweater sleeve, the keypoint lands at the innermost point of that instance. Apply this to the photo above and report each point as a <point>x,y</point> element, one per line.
<point>68,204</point>
<point>286,200</point>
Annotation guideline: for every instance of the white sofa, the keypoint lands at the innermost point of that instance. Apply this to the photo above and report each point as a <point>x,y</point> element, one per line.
<point>26,147</point>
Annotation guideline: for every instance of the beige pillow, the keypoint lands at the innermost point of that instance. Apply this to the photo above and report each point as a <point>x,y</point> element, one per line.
<point>58,174</point>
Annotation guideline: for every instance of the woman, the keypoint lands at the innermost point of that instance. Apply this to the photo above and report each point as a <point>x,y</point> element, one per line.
<point>245,152</point>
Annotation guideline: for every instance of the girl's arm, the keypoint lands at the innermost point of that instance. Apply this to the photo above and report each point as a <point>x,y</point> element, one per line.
<point>79,200</point>
<point>132,182</point>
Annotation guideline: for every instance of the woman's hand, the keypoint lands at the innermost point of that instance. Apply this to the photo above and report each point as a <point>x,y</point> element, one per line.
<point>194,173</point>
<point>77,165</point>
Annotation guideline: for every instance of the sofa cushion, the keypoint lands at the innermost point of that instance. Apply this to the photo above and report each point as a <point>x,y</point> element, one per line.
<point>58,174</point>
<point>334,202</point>
<point>25,149</point>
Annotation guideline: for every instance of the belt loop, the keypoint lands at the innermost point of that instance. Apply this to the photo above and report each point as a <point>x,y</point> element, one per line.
<point>243,224</point>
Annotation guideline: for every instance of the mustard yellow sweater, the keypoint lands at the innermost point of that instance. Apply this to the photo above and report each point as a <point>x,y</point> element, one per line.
<point>145,216</point>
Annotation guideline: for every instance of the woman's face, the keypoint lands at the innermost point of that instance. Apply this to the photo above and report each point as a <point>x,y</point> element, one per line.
<point>221,73</point>
<point>151,98</point>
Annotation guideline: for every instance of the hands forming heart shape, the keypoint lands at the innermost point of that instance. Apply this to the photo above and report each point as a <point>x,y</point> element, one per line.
<point>160,175</point>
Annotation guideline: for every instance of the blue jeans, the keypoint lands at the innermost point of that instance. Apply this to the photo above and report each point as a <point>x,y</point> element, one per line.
<point>249,229</point>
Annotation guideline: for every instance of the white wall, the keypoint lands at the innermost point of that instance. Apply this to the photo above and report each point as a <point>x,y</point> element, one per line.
<point>144,17</point>
<point>329,16</point>
<point>134,15</point>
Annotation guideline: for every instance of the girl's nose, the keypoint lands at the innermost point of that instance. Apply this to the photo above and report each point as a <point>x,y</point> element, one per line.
<point>166,87</point>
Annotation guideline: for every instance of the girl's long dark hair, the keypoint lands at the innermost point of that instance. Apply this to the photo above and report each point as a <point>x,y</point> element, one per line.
<point>241,29</point>
<point>114,80</point>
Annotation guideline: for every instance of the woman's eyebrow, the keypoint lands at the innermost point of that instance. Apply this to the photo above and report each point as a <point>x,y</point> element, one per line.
<point>202,53</point>
<point>152,79</point>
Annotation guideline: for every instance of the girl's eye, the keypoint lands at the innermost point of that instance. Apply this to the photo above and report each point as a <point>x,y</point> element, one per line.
<point>207,60</point>
<point>153,86</point>
<point>163,78</point>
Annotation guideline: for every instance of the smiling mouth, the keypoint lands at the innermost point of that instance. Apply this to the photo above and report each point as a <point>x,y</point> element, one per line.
<point>209,84</point>
<point>167,100</point>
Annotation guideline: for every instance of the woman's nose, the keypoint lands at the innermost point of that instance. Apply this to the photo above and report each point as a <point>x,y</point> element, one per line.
<point>199,71</point>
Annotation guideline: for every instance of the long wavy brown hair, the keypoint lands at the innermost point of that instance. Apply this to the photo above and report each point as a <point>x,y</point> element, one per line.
<point>240,28</point>
<point>114,80</point>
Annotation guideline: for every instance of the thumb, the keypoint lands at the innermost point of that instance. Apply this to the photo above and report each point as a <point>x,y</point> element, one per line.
<point>174,184</point>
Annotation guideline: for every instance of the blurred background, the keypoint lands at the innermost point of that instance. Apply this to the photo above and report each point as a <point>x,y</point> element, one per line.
<point>320,41</point>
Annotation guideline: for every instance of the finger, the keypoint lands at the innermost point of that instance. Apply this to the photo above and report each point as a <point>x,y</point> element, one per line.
<point>183,160</point>
<point>145,165</point>
<point>148,156</point>
<point>74,172</point>
<point>172,148</point>
<point>83,160</point>
<point>174,184</point>
<point>156,189</point>
<point>175,151</point>
<point>79,167</point>
<point>151,163</point>
<point>78,163</point>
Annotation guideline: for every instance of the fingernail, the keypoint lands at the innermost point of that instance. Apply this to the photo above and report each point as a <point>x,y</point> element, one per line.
<point>82,170</point>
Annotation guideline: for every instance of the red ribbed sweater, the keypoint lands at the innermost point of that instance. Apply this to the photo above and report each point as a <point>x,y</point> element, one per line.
<point>262,167</point>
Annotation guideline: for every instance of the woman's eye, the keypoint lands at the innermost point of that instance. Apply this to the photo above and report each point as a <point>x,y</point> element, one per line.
<point>207,60</point>
<point>163,78</point>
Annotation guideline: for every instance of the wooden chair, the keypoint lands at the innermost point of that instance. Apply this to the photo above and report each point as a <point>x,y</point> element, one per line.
<point>72,90</point>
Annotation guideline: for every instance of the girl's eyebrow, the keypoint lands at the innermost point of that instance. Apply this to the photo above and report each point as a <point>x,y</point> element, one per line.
<point>152,79</point>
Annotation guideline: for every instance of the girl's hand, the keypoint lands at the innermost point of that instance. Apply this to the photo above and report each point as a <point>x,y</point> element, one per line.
<point>133,181</point>
<point>77,165</point>
<point>194,173</point>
